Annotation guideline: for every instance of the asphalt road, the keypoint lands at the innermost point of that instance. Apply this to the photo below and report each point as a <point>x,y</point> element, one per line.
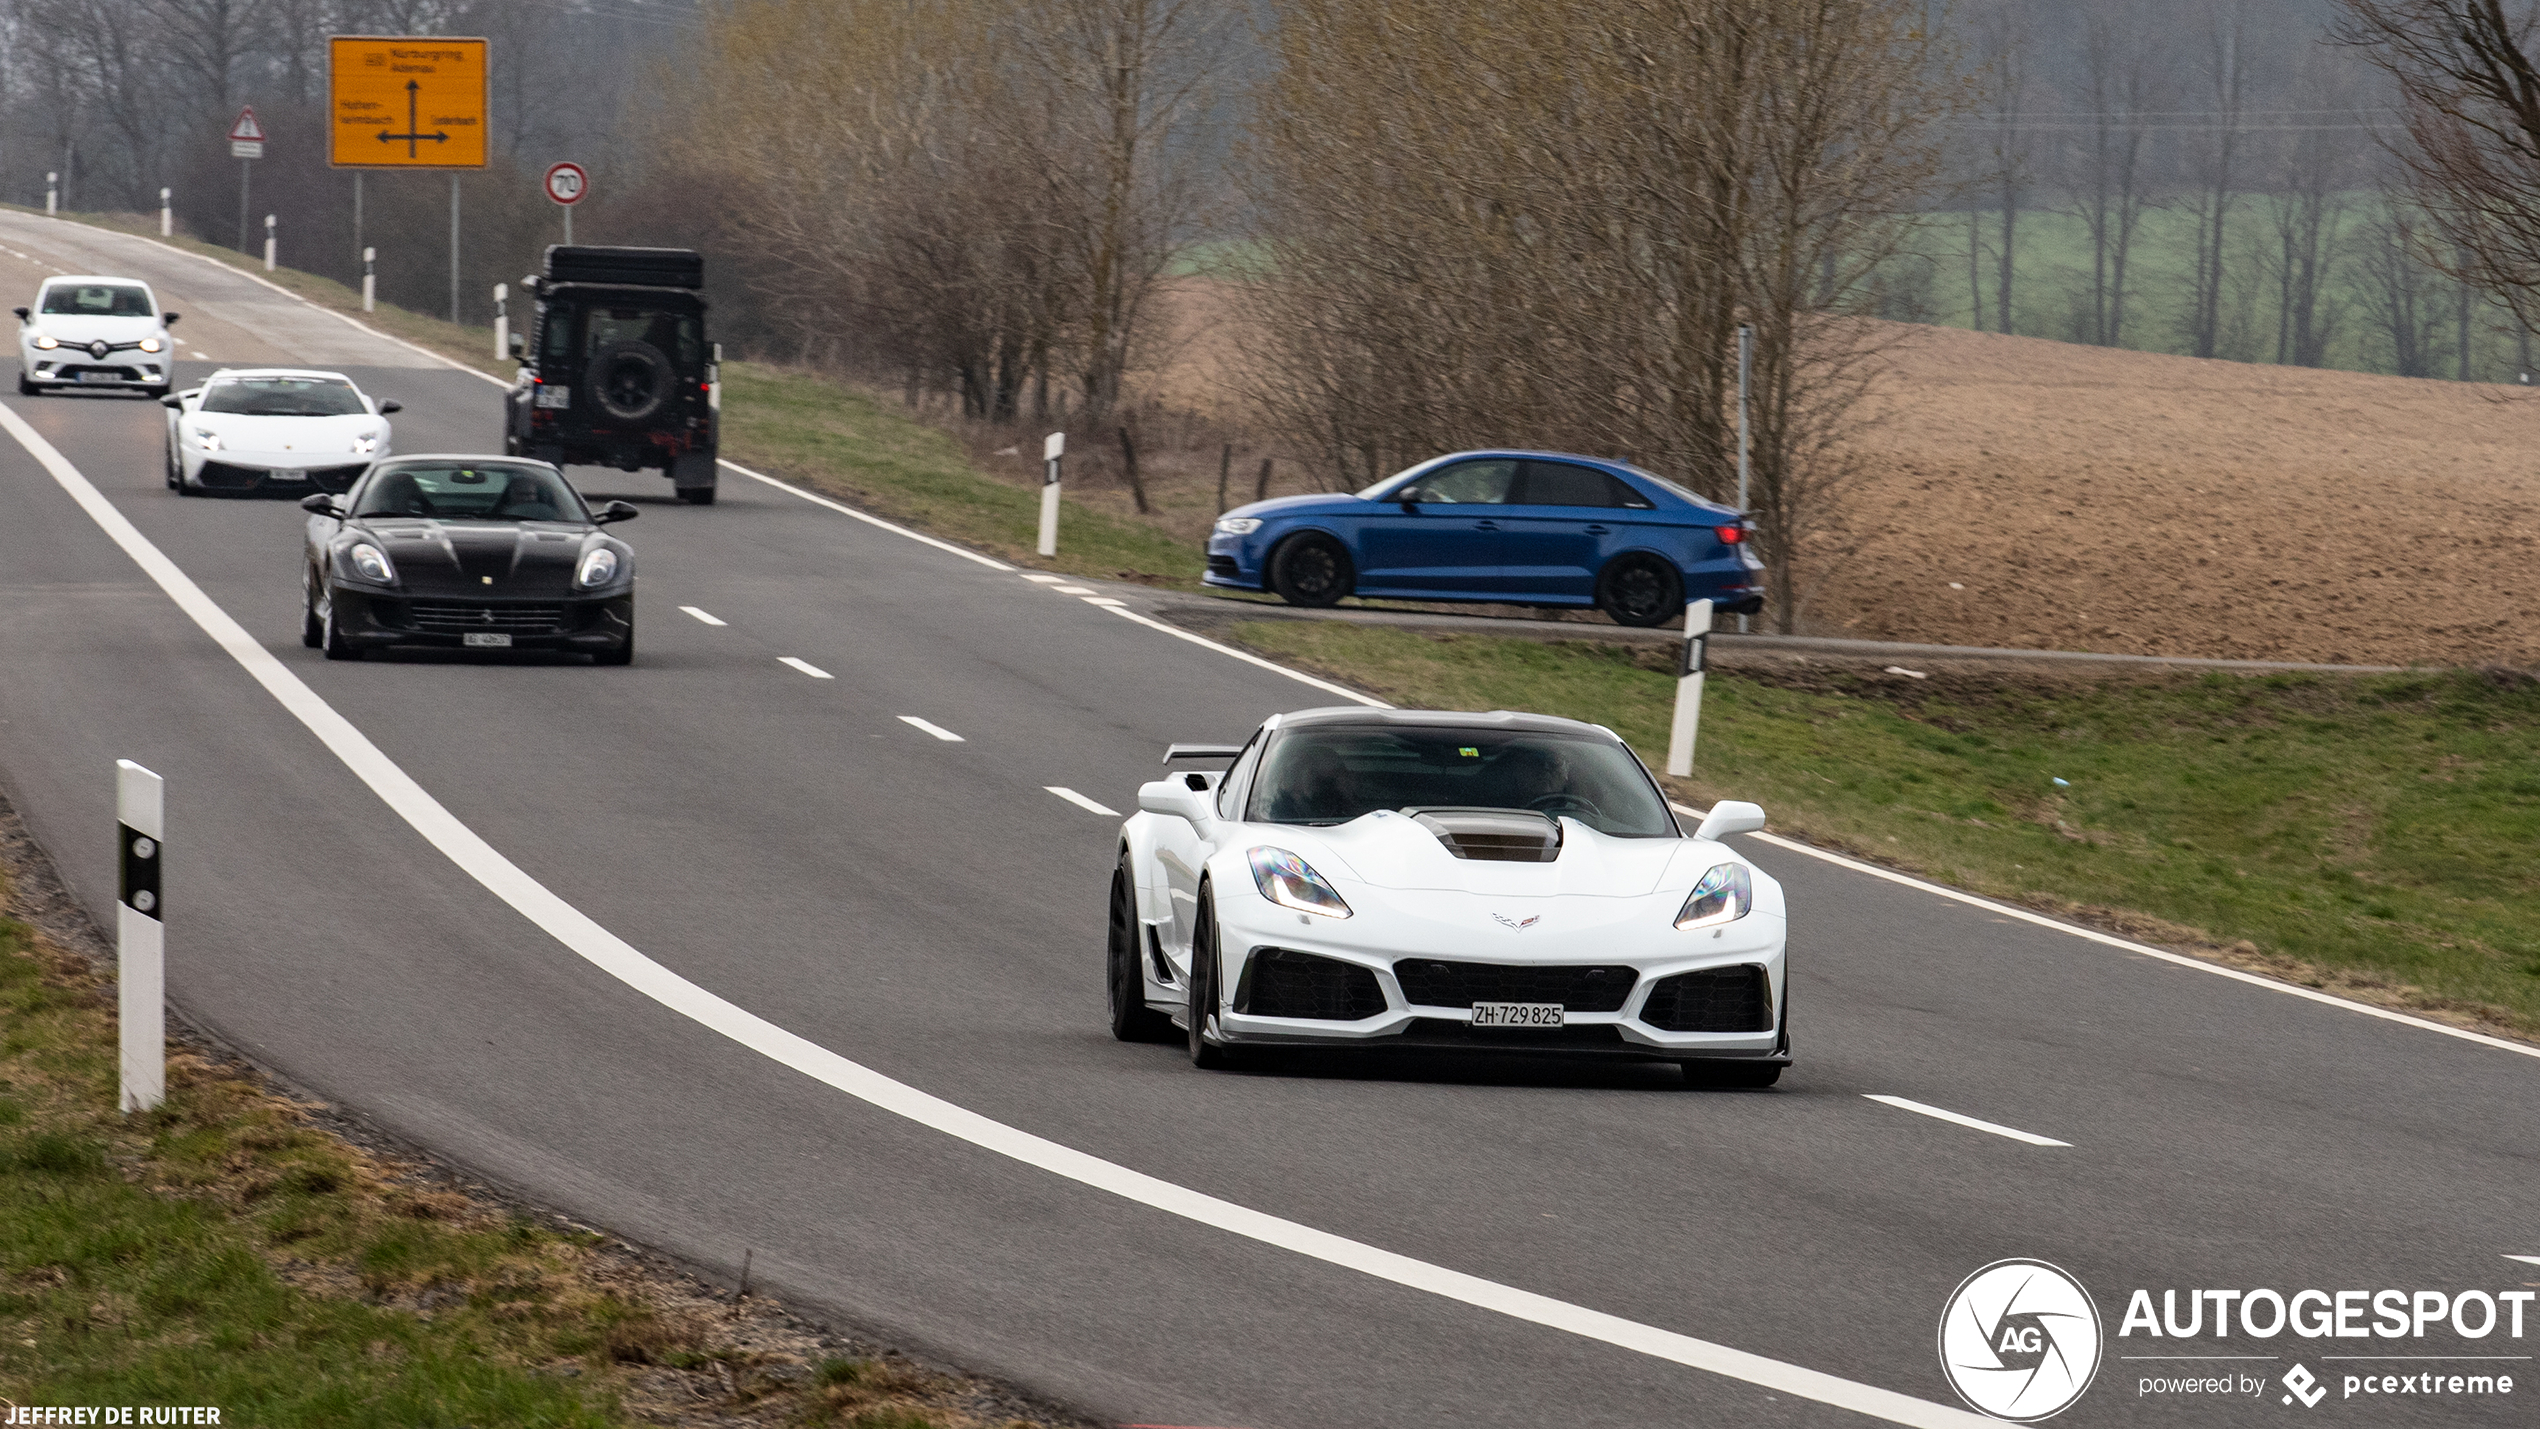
<point>929,910</point>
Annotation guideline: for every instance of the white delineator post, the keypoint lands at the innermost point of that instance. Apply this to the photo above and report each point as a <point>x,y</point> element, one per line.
<point>1051,452</point>
<point>502,321</point>
<point>1689,689</point>
<point>167,216</point>
<point>370,278</point>
<point>52,194</point>
<point>140,936</point>
<point>268,243</point>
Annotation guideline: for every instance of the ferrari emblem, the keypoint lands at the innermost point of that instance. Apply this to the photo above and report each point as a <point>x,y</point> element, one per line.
<point>1507,922</point>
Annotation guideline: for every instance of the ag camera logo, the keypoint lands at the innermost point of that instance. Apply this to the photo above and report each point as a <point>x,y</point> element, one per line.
<point>2020,1340</point>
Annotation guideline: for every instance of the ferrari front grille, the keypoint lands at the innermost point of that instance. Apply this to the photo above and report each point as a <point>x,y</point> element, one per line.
<point>1427,982</point>
<point>1280,982</point>
<point>1734,999</point>
<point>459,617</point>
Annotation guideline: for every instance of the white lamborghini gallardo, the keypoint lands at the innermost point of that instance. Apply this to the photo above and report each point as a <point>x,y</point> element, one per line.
<point>1420,878</point>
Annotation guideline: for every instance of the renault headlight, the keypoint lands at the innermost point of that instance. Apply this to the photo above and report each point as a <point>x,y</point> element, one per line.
<point>1291,882</point>
<point>1238,525</point>
<point>371,564</point>
<point>598,568</point>
<point>150,344</point>
<point>47,341</point>
<point>1725,894</point>
<point>205,439</point>
<point>366,444</point>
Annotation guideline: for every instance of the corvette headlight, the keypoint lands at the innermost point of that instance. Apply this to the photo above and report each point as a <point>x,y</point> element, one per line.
<point>150,344</point>
<point>598,568</point>
<point>365,444</point>
<point>47,341</point>
<point>205,439</point>
<point>371,564</point>
<point>1238,525</point>
<point>1725,894</point>
<point>1291,882</point>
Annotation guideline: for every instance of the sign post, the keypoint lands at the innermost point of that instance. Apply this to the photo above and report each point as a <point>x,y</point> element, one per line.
<point>1052,451</point>
<point>141,938</point>
<point>1688,720</point>
<point>246,145</point>
<point>409,102</point>
<point>566,185</point>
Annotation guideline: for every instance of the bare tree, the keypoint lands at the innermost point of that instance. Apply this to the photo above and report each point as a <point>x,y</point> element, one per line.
<point>2317,169</point>
<point>2401,294</point>
<point>2216,176</point>
<point>2110,192</point>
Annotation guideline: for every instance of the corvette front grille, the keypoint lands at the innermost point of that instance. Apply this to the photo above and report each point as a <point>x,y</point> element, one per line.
<point>1428,982</point>
<point>459,617</point>
<point>1734,999</point>
<point>1280,982</point>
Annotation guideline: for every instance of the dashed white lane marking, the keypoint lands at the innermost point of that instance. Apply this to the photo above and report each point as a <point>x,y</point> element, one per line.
<point>805,666</point>
<point>701,615</point>
<point>613,955</point>
<point>1104,601</point>
<point>2032,1138</point>
<point>2525,1259</point>
<point>1073,589</point>
<point>202,357</point>
<point>1042,579</point>
<point>1080,801</point>
<point>936,730</point>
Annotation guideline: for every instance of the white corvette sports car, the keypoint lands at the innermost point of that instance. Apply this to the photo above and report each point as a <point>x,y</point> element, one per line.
<point>249,429</point>
<point>1417,878</point>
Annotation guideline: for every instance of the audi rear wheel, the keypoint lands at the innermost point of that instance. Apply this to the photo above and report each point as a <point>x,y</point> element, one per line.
<point>1641,590</point>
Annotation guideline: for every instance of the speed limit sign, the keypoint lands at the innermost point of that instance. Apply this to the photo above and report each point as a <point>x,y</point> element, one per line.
<point>566,184</point>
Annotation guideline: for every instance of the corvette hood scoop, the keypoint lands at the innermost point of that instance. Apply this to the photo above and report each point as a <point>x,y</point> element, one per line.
<point>1493,835</point>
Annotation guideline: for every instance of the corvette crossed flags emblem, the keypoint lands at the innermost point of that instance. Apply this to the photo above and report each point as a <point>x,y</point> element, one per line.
<point>1508,922</point>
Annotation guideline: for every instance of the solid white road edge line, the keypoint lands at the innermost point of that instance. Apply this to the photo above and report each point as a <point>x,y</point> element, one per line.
<point>701,615</point>
<point>1080,801</point>
<point>2165,955</point>
<point>609,953</point>
<point>1249,658</point>
<point>806,667</point>
<point>937,730</point>
<point>1901,1104</point>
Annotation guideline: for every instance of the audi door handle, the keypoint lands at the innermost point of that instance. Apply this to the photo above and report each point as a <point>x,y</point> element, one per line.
<point>1485,525</point>
<point>1596,530</point>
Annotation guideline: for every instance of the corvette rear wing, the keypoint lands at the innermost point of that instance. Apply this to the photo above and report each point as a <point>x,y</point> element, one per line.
<point>1201,751</point>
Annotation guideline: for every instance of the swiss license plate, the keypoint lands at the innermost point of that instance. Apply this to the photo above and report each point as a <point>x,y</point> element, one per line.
<point>1518,1014</point>
<point>101,377</point>
<point>482,640</point>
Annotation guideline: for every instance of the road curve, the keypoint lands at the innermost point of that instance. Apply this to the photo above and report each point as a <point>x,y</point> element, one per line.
<point>928,909</point>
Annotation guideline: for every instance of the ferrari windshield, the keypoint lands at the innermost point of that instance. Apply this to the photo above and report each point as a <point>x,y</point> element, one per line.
<point>1333,774</point>
<point>470,491</point>
<point>284,397</point>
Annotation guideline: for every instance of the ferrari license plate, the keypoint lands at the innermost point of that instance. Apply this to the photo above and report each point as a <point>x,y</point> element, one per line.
<point>1518,1014</point>
<point>478,639</point>
<point>101,377</point>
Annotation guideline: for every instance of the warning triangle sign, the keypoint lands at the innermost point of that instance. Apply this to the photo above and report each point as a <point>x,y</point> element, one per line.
<point>247,127</point>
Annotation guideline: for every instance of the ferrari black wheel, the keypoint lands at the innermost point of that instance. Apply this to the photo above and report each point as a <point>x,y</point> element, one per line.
<point>1131,1019</point>
<point>331,637</point>
<point>1202,1008</point>
<point>312,629</point>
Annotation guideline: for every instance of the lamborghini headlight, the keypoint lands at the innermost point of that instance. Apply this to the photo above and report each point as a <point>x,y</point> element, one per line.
<point>150,344</point>
<point>1238,525</point>
<point>205,439</point>
<point>598,568</point>
<point>1725,894</point>
<point>371,564</point>
<point>47,341</point>
<point>1291,882</point>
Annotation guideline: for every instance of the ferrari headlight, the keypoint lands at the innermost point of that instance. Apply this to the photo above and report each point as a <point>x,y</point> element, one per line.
<point>47,341</point>
<point>365,444</point>
<point>1238,525</point>
<point>1291,882</point>
<point>1725,894</point>
<point>598,568</point>
<point>150,344</point>
<point>371,563</point>
<point>205,439</point>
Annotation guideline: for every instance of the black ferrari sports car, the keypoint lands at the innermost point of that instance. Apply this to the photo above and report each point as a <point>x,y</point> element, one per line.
<point>467,552</point>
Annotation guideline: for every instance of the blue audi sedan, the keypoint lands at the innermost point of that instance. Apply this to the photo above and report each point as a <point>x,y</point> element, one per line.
<point>1512,527</point>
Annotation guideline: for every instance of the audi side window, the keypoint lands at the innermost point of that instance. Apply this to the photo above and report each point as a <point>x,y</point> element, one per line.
<point>1470,483</point>
<point>1558,483</point>
<point>1229,788</point>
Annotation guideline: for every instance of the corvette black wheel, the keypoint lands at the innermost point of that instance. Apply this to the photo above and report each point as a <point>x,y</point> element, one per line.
<point>1131,1019</point>
<point>1203,980</point>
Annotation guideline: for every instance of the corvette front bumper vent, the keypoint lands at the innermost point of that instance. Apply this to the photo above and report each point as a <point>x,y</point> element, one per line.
<point>1714,1000</point>
<point>1280,982</point>
<point>1428,982</point>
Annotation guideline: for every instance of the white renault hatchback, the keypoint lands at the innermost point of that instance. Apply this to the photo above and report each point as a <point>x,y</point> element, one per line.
<point>94,332</point>
<point>288,429</point>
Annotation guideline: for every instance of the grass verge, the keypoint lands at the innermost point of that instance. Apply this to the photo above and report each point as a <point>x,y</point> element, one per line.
<point>2378,836</point>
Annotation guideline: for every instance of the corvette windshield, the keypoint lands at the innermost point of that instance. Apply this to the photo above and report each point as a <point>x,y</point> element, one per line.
<point>96,300</point>
<point>471,491</point>
<point>1333,774</point>
<point>284,397</point>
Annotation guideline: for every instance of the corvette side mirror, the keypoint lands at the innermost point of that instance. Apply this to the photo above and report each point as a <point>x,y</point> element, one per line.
<point>1730,816</point>
<point>170,317</point>
<point>391,405</point>
<point>174,402</point>
<point>1174,799</point>
<point>616,511</point>
<point>321,504</point>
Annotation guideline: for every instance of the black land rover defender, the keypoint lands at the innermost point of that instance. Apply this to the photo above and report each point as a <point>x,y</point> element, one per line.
<point>616,370</point>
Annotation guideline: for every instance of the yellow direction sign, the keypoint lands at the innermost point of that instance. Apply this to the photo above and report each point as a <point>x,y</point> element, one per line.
<point>405,103</point>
